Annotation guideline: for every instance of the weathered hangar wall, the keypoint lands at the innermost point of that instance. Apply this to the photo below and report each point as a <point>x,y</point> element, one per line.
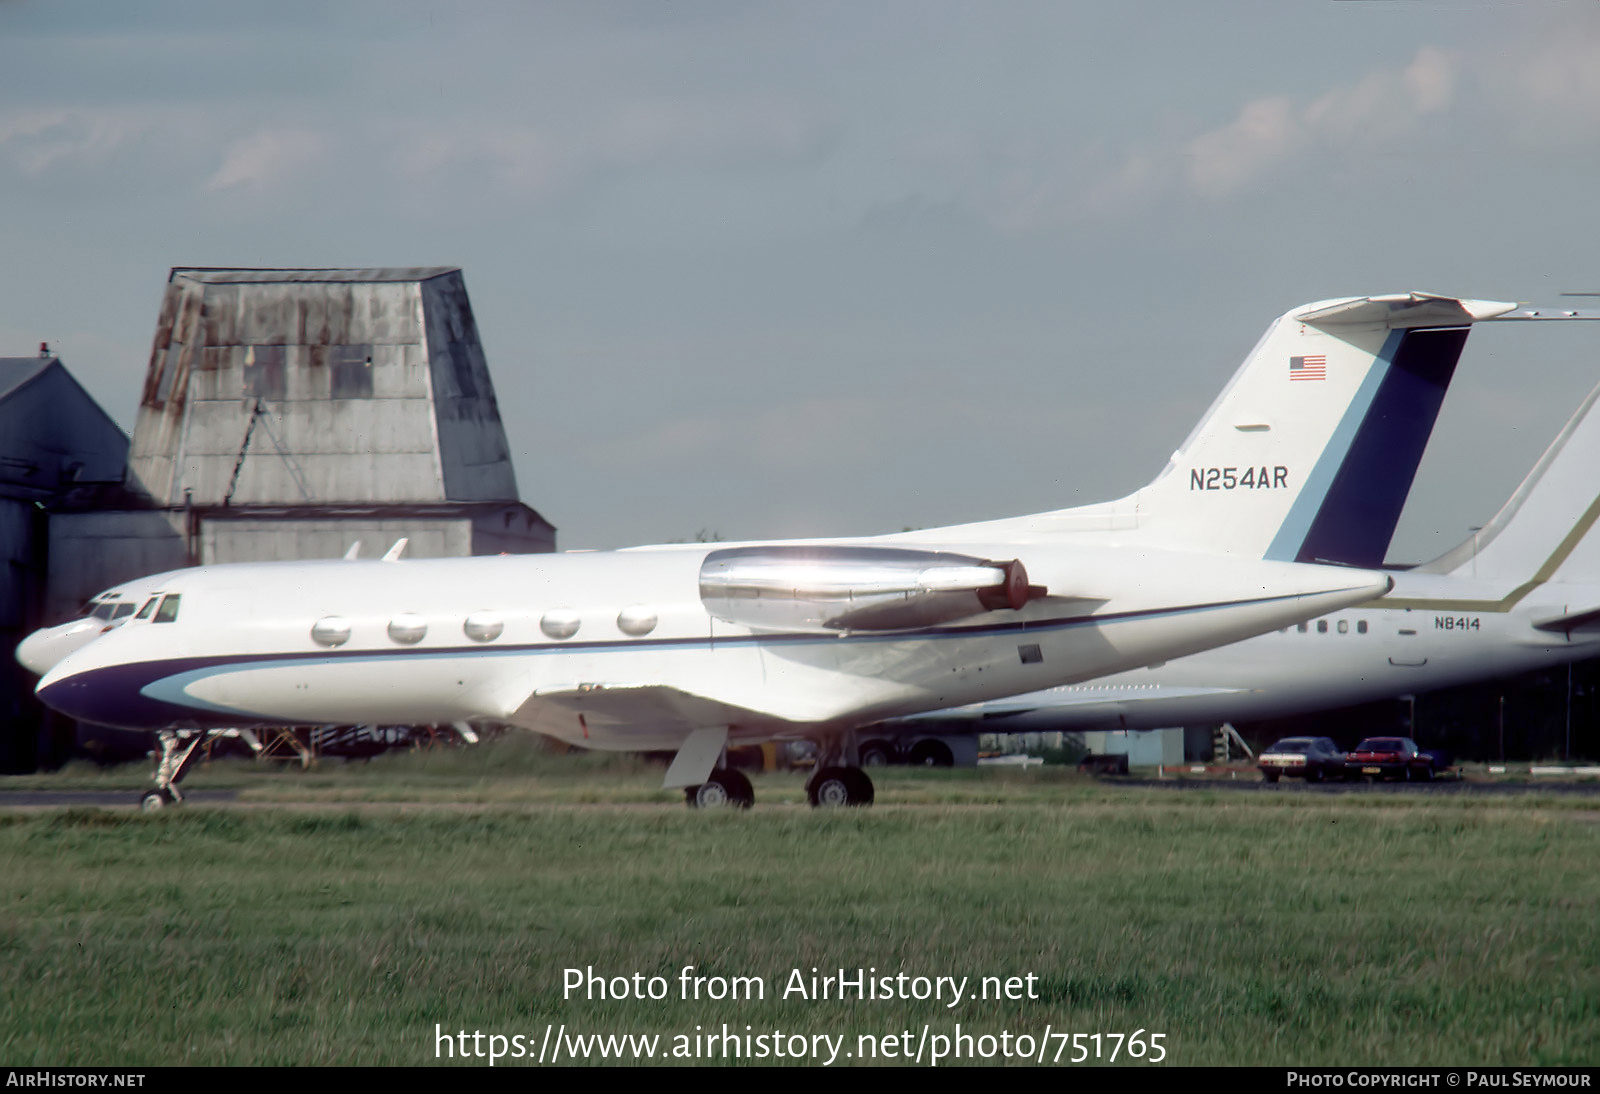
<point>338,386</point>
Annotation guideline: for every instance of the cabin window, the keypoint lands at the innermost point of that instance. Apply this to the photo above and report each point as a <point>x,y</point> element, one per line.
<point>560,623</point>
<point>407,629</point>
<point>483,626</point>
<point>1344,626</point>
<point>1322,626</point>
<point>168,612</point>
<point>1361,626</point>
<point>636,621</point>
<point>1301,627</point>
<point>331,631</point>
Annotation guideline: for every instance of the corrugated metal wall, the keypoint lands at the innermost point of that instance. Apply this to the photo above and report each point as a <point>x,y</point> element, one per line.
<point>352,386</point>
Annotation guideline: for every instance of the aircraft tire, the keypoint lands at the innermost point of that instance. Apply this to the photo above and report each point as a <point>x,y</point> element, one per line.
<point>740,792</point>
<point>862,792</point>
<point>725,789</point>
<point>156,800</point>
<point>876,754</point>
<point>836,787</point>
<point>932,754</point>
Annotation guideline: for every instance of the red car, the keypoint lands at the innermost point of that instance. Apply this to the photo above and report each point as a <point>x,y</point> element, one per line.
<point>1390,758</point>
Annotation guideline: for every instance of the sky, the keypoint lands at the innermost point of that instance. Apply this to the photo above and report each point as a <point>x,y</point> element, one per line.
<point>763,270</point>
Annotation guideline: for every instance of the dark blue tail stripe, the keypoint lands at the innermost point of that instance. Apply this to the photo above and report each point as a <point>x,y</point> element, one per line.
<point>1358,515</point>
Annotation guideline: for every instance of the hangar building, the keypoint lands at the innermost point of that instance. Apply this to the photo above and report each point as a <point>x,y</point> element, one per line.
<point>288,414</point>
<point>57,447</point>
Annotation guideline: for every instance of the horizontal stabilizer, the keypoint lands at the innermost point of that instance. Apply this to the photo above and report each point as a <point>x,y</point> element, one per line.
<point>1568,622</point>
<point>1402,311</point>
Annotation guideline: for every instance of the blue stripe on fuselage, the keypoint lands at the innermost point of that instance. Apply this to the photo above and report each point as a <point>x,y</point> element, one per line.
<point>133,694</point>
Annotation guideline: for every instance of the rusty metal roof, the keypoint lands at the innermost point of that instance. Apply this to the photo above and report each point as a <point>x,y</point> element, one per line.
<point>220,276</point>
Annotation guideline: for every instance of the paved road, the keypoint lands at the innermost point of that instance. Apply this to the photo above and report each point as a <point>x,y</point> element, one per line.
<point>1300,786</point>
<point>129,799</point>
<point>25,799</point>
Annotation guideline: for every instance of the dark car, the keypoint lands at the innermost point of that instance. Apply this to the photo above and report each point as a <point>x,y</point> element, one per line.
<point>1311,758</point>
<point>1391,758</point>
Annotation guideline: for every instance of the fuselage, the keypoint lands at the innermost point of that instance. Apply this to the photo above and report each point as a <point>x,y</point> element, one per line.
<point>1443,631</point>
<point>619,649</point>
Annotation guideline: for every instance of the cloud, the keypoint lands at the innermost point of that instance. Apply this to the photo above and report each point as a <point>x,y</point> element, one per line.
<point>37,140</point>
<point>1380,108</point>
<point>267,158</point>
<point>536,159</point>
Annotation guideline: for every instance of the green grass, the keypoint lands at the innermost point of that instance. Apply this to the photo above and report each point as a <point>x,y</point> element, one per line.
<point>1249,928</point>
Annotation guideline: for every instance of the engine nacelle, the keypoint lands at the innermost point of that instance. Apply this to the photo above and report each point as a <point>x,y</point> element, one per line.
<point>836,589</point>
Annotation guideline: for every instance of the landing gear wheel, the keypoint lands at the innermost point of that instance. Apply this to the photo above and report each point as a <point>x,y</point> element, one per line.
<point>724,789</point>
<point>833,787</point>
<point>156,800</point>
<point>932,754</point>
<point>876,754</point>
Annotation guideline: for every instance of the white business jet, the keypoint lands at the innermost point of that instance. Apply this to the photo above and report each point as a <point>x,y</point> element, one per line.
<point>697,647</point>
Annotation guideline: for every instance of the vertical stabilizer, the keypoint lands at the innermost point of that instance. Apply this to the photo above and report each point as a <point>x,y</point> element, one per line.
<point>1309,452</point>
<point>1543,532</point>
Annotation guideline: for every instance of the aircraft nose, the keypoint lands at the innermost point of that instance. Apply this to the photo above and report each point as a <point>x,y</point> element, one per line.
<point>43,650</point>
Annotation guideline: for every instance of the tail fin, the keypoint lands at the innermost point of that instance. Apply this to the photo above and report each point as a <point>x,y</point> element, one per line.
<point>1309,452</point>
<point>1544,532</point>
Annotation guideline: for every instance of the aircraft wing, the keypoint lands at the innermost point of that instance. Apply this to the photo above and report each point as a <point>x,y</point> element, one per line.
<point>1069,697</point>
<point>648,711</point>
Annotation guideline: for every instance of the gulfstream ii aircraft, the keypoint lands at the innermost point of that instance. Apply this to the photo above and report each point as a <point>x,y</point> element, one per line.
<point>696,647</point>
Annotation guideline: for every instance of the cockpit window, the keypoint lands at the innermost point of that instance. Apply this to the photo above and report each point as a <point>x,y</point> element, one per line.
<point>103,610</point>
<point>149,606</point>
<point>169,609</point>
<point>124,610</point>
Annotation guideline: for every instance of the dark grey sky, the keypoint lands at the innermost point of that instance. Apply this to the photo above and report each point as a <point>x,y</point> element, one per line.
<point>785,269</point>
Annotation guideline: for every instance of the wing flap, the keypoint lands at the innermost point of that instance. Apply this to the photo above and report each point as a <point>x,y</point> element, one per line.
<point>653,709</point>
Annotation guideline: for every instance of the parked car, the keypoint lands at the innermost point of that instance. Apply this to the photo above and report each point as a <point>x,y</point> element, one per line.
<point>1392,758</point>
<point>1311,758</point>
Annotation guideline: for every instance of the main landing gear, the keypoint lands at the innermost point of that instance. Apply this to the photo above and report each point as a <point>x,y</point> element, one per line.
<point>830,787</point>
<point>725,787</point>
<point>838,779</point>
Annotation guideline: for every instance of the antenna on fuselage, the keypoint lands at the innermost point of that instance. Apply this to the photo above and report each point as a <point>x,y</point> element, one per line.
<point>354,552</point>
<point>399,548</point>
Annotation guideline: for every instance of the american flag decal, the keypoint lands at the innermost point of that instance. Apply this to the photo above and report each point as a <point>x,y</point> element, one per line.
<point>1308,368</point>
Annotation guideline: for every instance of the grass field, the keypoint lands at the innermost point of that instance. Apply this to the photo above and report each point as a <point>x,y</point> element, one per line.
<point>1247,928</point>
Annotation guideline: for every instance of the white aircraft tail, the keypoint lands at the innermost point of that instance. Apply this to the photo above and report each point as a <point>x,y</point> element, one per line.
<point>1545,531</point>
<point>1309,452</point>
